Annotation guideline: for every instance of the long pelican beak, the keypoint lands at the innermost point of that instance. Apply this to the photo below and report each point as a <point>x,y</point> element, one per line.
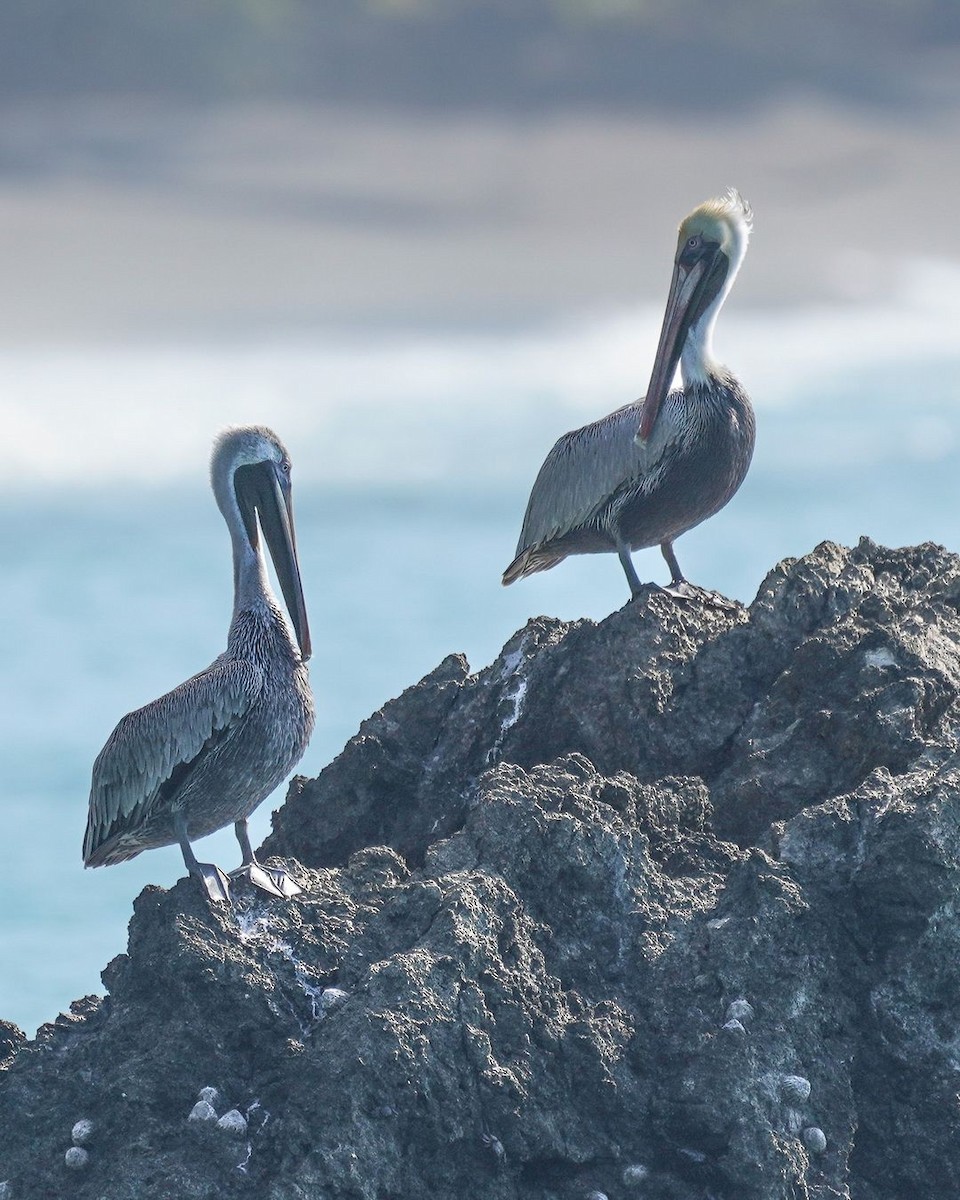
<point>260,485</point>
<point>690,286</point>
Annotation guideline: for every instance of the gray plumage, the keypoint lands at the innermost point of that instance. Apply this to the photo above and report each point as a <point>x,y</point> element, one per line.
<point>599,488</point>
<point>207,753</point>
<point>649,471</point>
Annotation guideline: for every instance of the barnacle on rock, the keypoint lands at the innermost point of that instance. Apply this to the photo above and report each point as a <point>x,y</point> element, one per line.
<point>202,1111</point>
<point>76,1158</point>
<point>795,1089</point>
<point>740,1010</point>
<point>82,1132</point>
<point>814,1139</point>
<point>331,998</point>
<point>233,1122</point>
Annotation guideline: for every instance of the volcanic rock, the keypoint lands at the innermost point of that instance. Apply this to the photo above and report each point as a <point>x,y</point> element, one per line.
<point>664,906</point>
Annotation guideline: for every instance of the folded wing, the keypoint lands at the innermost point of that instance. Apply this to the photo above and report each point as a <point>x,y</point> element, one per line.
<point>582,476</point>
<point>152,752</point>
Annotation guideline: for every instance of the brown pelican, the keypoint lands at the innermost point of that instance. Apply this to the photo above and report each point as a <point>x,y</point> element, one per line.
<point>653,469</point>
<point>208,752</point>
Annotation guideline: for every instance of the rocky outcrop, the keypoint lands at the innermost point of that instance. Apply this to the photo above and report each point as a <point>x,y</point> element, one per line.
<point>663,907</point>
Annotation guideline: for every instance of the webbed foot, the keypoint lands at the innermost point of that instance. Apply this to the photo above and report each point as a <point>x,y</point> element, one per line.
<point>259,876</point>
<point>683,590</point>
<point>215,882</point>
<point>678,590</point>
<point>272,880</point>
<point>283,881</point>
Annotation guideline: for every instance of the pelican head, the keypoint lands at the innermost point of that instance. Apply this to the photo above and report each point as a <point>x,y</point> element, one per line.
<point>250,475</point>
<point>710,248</point>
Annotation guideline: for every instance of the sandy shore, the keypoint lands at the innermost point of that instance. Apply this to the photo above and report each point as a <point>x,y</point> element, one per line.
<point>129,221</point>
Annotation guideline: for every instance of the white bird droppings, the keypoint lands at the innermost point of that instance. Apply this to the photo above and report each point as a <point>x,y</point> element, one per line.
<point>76,1158</point>
<point>696,1156</point>
<point>82,1132</point>
<point>233,1122</point>
<point>494,1145</point>
<point>879,658</point>
<point>635,1174</point>
<point>516,696</point>
<point>202,1111</point>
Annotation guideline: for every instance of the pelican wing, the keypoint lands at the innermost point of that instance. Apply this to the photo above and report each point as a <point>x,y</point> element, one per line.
<point>152,750</point>
<point>585,471</point>
<point>585,474</point>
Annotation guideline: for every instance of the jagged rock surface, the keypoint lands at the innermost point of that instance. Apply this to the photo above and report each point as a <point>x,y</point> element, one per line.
<point>664,907</point>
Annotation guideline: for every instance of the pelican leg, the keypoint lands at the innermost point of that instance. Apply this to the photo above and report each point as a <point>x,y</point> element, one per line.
<point>678,585</point>
<point>217,885</point>
<point>623,551</point>
<point>268,879</point>
<point>682,589</point>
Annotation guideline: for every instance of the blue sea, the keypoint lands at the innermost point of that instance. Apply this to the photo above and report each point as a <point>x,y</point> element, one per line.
<point>413,457</point>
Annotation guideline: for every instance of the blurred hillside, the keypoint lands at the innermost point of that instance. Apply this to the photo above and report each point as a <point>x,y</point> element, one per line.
<point>672,54</point>
<point>224,168</point>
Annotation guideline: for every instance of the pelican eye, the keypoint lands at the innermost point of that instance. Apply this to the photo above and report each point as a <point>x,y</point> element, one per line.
<point>693,249</point>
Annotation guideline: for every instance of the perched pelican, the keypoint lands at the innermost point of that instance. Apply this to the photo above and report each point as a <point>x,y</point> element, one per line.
<point>653,469</point>
<point>207,753</point>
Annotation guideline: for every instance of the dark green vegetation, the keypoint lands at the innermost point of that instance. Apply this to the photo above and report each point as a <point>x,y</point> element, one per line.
<point>661,907</point>
<point>487,53</point>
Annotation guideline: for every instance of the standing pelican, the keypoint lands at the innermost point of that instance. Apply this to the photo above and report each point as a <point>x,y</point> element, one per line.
<point>653,469</point>
<point>207,753</point>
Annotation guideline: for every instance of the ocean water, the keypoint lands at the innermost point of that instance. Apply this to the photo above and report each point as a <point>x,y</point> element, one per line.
<point>413,458</point>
